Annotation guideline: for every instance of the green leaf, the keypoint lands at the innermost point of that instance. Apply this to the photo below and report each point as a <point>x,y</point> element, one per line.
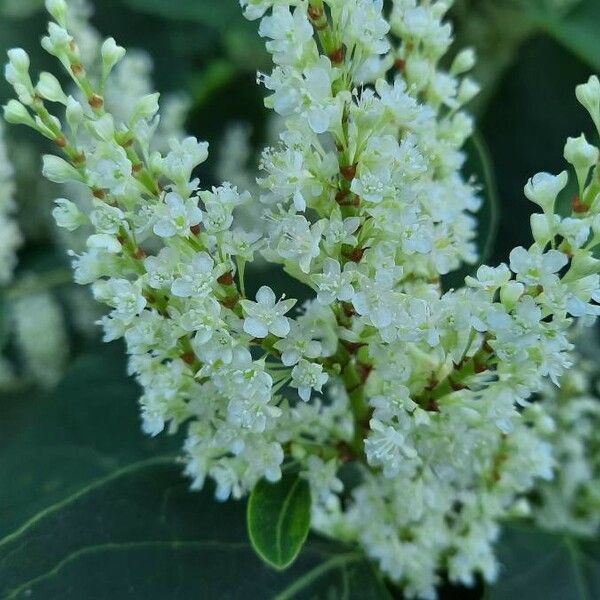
<point>578,30</point>
<point>541,566</point>
<point>91,508</point>
<point>221,15</point>
<point>279,519</point>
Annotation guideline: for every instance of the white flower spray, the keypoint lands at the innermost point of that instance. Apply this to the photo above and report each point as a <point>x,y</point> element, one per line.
<point>422,392</point>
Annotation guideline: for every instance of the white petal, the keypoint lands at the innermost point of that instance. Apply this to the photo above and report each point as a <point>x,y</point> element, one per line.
<point>255,328</point>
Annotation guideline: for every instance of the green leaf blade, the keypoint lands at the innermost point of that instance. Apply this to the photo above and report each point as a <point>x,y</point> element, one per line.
<point>543,566</point>
<point>578,30</point>
<point>90,508</point>
<point>279,519</point>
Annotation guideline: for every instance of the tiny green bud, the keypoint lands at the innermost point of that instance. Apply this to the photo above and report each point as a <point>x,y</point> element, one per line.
<point>542,229</point>
<point>67,215</point>
<point>582,265</point>
<point>111,55</point>
<point>19,59</point>
<point>58,9</point>
<point>74,113</point>
<point>467,90</point>
<point>543,189</point>
<point>146,107</point>
<point>463,62</point>
<point>49,88</point>
<point>588,95</point>
<point>59,170</point>
<point>582,155</point>
<point>510,293</point>
<point>104,127</point>
<point>17,114</point>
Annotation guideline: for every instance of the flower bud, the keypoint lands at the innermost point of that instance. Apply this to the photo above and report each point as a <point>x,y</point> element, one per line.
<point>58,9</point>
<point>17,114</point>
<point>49,88</point>
<point>16,72</point>
<point>463,62</point>
<point>467,90</point>
<point>543,189</point>
<point>74,113</point>
<point>582,155</point>
<point>146,107</point>
<point>57,40</point>
<point>19,59</point>
<point>104,241</point>
<point>44,129</point>
<point>67,215</point>
<point>418,72</point>
<point>510,293</point>
<point>588,95</point>
<point>542,229</point>
<point>104,127</point>
<point>58,170</point>
<point>111,55</point>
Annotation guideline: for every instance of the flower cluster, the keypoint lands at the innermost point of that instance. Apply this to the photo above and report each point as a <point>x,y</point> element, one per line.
<point>41,361</point>
<point>43,356</point>
<point>421,391</point>
<point>10,236</point>
<point>569,419</point>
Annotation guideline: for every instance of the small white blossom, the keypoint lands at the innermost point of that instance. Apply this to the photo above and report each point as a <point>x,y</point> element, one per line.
<point>176,216</point>
<point>266,315</point>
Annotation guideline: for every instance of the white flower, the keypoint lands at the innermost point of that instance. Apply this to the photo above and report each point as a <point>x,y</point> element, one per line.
<point>176,216</point>
<point>202,316</point>
<point>125,297</point>
<point>266,315</point>
<point>298,343</point>
<point>195,278</point>
<point>387,447</point>
<point>291,35</point>
<point>308,376</point>
<point>162,268</point>
<point>67,215</point>
<point>531,265</point>
<point>108,168</point>
<point>300,241</point>
<point>333,284</point>
<point>108,219</point>
<point>184,156</point>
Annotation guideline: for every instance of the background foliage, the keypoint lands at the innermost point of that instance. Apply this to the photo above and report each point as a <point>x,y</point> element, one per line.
<point>89,507</point>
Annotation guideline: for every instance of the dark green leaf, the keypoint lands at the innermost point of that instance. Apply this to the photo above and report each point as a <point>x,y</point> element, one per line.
<point>279,519</point>
<point>53,444</point>
<point>220,15</point>
<point>90,508</point>
<point>139,533</point>
<point>542,566</point>
<point>579,30</point>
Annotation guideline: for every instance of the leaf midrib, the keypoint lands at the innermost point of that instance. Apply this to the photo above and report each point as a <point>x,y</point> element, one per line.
<point>280,519</point>
<point>95,484</point>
